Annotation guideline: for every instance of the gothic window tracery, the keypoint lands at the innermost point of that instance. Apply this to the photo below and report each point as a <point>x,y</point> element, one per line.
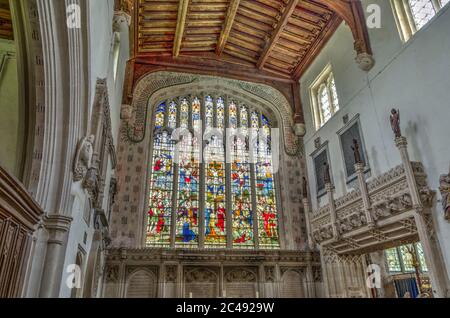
<point>204,193</point>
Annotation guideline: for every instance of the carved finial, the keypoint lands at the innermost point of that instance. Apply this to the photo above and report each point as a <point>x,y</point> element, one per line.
<point>395,123</point>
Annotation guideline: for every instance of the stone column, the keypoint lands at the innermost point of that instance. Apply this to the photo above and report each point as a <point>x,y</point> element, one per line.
<point>359,168</point>
<point>329,188</point>
<point>57,227</point>
<point>425,227</point>
<point>307,210</point>
<point>402,145</point>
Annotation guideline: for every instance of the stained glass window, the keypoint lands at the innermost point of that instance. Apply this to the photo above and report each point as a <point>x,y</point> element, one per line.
<point>173,115</point>
<point>407,258</point>
<point>401,259</point>
<point>184,113</point>
<point>178,177</point>
<point>421,257</point>
<point>209,112</point>
<point>393,260</point>
<point>160,197</point>
<point>160,114</point>
<point>196,117</point>
<point>325,97</point>
<point>215,205</point>
<point>241,192</point>
<point>188,192</point>
<point>266,207</point>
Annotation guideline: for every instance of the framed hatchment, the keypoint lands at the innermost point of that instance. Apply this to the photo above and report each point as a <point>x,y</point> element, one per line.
<point>352,131</point>
<point>321,156</point>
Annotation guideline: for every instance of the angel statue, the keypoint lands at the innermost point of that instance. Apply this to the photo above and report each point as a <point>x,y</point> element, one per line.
<point>444,187</point>
<point>395,123</point>
<point>83,158</point>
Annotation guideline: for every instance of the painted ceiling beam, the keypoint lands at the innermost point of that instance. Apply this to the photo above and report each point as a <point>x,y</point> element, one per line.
<point>181,24</point>
<point>277,32</point>
<point>232,10</point>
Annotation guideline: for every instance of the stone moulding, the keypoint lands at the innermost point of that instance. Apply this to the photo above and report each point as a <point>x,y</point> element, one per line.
<point>134,128</point>
<point>157,255</point>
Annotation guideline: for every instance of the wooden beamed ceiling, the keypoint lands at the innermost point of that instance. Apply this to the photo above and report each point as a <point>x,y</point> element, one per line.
<point>277,38</point>
<point>6,27</point>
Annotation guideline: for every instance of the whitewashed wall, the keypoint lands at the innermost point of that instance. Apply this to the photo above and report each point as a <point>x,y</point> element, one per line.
<point>101,65</point>
<point>412,76</point>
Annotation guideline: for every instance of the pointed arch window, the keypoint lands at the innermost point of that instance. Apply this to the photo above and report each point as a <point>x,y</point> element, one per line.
<point>325,101</point>
<point>413,15</point>
<point>202,193</point>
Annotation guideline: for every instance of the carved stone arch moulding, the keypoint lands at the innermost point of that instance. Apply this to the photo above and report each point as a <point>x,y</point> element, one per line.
<point>137,116</point>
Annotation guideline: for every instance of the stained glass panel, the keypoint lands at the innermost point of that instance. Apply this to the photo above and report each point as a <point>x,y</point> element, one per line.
<point>196,118</point>
<point>233,115</point>
<point>220,113</point>
<point>160,114</point>
<point>266,207</point>
<point>173,109</point>
<point>160,197</point>
<point>184,113</point>
<point>421,257</point>
<point>393,260</point>
<point>241,195</point>
<point>244,117</point>
<point>215,205</point>
<point>407,258</point>
<point>188,193</point>
<point>209,111</point>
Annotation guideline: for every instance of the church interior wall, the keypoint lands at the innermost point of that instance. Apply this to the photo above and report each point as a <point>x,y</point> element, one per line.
<point>12,136</point>
<point>412,77</point>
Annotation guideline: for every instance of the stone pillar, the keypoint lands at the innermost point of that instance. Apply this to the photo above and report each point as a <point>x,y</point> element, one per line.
<point>359,168</point>
<point>402,145</point>
<point>425,227</point>
<point>310,284</point>
<point>329,188</point>
<point>307,210</point>
<point>58,229</point>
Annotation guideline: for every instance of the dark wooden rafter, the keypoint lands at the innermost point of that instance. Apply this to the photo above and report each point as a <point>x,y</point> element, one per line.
<point>265,41</point>
<point>181,24</point>
<point>277,32</point>
<point>232,10</point>
<point>352,13</point>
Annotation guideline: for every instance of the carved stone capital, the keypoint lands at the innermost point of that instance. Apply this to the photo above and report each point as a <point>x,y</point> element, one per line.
<point>121,18</point>
<point>401,142</point>
<point>300,129</point>
<point>57,226</point>
<point>365,61</point>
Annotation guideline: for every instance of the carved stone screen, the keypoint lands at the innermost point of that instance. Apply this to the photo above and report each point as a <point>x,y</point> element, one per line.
<point>292,286</point>
<point>142,285</point>
<point>201,283</point>
<point>347,144</point>
<point>319,162</point>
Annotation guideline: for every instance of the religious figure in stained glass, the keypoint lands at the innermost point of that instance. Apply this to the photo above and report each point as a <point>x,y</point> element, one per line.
<point>177,177</point>
<point>161,182</point>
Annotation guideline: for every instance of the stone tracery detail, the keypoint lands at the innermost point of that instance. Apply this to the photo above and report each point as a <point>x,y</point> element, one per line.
<point>135,129</point>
